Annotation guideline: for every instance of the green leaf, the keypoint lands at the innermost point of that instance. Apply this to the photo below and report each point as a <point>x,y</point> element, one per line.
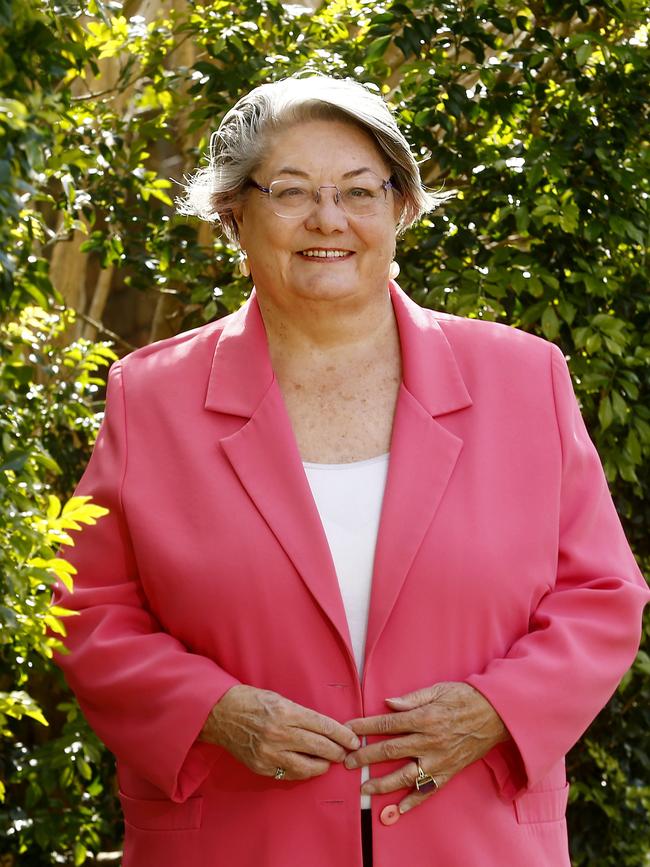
<point>550,323</point>
<point>15,460</point>
<point>633,446</point>
<point>593,343</point>
<point>83,767</point>
<point>80,854</point>
<point>619,406</point>
<point>377,49</point>
<point>605,412</point>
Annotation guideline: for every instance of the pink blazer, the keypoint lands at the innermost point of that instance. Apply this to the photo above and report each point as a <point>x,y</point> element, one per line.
<point>500,561</point>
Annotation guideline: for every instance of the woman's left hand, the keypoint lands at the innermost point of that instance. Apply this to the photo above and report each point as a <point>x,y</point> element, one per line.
<point>446,726</point>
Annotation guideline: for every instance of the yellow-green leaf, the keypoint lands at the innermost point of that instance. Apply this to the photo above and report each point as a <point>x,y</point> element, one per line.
<point>53,507</point>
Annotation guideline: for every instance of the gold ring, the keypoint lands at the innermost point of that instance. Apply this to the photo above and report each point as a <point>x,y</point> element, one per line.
<point>425,782</point>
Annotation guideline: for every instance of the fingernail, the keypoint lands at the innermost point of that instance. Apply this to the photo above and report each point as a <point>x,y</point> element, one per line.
<point>350,763</point>
<point>357,744</point>
<point>404,808</point>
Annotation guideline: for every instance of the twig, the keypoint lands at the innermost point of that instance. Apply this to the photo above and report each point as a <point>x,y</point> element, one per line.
<point>101,328</point>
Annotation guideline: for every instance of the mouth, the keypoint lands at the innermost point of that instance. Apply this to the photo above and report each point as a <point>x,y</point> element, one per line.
<point>325,253</point>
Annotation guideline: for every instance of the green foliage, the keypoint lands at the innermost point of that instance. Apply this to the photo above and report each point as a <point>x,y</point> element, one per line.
<point>46,390</point>
<point>536,114</point>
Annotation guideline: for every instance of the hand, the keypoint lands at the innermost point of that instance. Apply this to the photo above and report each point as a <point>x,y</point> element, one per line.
<point>265,731</point>
<point>447,726</point>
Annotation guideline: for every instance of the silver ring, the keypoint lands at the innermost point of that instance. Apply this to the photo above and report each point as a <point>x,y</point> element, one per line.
<point>279,773</point>
<point>425,782</point>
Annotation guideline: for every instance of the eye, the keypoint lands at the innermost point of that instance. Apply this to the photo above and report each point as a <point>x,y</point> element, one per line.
<point>360,193</point>
<point>290,193</point>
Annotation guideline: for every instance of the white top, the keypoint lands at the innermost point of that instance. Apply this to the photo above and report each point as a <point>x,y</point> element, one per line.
<point>349,499</point>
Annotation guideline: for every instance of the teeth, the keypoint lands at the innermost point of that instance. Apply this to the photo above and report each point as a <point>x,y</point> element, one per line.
<point>325,254</point>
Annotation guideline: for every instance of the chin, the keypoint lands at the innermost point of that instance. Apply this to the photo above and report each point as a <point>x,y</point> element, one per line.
<point>322,291</point>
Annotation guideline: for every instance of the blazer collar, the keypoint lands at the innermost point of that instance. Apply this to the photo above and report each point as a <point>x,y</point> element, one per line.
<point>241,371</point>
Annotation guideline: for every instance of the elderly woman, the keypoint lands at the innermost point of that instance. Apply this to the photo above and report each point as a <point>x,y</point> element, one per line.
<point>362,585</point>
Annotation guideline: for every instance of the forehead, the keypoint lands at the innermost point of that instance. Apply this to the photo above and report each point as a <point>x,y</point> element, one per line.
<point>318,147</point>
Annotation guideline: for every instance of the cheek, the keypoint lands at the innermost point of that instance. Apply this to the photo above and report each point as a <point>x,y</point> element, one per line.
<point>383,244</point>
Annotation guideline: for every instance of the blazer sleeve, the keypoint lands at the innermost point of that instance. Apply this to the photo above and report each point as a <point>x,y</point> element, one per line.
<point>142,691</point>
<point>585,631</point>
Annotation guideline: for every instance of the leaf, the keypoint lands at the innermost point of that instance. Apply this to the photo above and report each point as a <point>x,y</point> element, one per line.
<point>550,323</point>
<point>83,767</point>
<point>80,510</point>
<point>605,412</point>
<point>619,406</point>
<point>583,53</point>
<point>61,568</point>
<point>377,48</point>
<point>53,507</point>
<point>633,446</point>
<point>569,218</point>
<point>15,460</point>
<point>54,624</point>
<point>80,854</point>
<point>593,343</point>
<point>642,663</point>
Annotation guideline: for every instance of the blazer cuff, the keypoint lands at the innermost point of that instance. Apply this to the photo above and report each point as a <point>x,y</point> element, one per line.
<point>200,757</point>
<point>505,760</point>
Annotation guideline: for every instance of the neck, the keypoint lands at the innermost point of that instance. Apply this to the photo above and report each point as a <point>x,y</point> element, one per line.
<point>313,328</point>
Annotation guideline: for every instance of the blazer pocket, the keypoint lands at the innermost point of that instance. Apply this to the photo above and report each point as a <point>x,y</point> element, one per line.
<point>541,806</point>
<point>162,815</point>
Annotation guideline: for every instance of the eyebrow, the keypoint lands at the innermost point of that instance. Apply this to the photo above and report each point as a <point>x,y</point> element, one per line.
<point>289,170</point>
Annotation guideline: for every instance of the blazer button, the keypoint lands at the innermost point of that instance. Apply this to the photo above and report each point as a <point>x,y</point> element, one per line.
<point>389,815</point>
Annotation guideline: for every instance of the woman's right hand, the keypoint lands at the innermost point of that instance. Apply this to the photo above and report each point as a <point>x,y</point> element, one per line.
<point>266,731</point>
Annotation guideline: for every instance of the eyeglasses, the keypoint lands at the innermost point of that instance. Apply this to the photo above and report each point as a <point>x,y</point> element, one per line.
<point>358,197</point>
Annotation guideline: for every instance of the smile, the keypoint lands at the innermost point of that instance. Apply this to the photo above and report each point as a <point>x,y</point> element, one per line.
<point>326,254</point>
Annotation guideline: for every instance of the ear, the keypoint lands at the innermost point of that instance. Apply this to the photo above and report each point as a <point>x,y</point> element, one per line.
<point>237,212</point>
<point>398,208</point>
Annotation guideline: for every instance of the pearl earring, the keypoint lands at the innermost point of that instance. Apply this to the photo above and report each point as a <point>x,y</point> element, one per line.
<point>244,267</point>
<point>393,271</point>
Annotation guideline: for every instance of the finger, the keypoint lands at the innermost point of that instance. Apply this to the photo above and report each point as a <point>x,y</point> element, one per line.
<point>388,750</point>
<point>403,778</point>
<point>312,744</point>
<point>384,724</point>
<point>305,718</point>
<point>297,766</point>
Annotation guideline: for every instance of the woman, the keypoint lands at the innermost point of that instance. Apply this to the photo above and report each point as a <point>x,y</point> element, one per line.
<point>360,558</point>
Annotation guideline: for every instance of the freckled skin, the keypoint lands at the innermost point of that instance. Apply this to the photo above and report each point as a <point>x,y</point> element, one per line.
<point>332,333</point>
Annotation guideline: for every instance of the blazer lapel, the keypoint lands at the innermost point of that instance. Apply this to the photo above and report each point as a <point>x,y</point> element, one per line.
<point>264,455</point>
<point>422,457</point>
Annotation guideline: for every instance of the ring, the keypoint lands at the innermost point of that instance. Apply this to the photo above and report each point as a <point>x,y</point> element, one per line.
<point>279,773</point>
<point>425,782</point>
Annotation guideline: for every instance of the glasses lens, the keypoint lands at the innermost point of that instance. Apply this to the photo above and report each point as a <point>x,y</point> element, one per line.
<point>291,198</point>
<point>363,198</point>
<point>359,197</point>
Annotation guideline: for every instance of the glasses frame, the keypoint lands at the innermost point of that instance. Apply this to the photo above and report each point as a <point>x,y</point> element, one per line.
<point>385,185</point>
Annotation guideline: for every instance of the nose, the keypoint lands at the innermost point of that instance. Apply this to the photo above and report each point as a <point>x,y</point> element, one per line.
<point>325,214</point>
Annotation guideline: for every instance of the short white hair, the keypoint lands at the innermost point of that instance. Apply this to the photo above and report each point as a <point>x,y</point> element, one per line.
<point>240,143</point>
